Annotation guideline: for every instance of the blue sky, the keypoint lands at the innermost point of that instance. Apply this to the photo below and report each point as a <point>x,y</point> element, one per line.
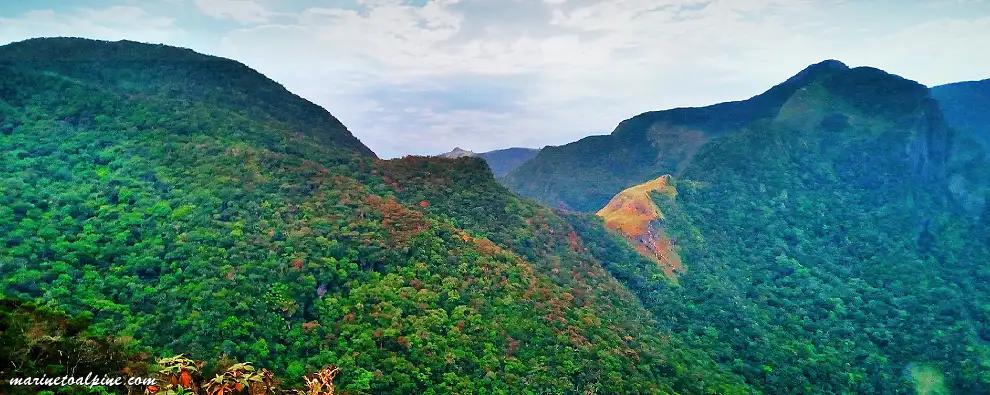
<point>420,77</point>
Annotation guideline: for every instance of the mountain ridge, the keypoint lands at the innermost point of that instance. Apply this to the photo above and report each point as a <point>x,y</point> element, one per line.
<point>798,227</point>
<point>584,174</point>
<point>167,67</point>
<point>187,213</point>
<point>965,106</point>
<point>501,161</point>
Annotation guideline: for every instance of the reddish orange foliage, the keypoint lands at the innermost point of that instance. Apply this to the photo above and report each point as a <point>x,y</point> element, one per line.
<point>633,214</point>
<point>400,222</point>
<point>573,241</point>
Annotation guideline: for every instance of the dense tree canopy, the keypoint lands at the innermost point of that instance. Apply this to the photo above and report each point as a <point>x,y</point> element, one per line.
<point>825,252</point>
<point>185,213</point>
<point>155,202</point>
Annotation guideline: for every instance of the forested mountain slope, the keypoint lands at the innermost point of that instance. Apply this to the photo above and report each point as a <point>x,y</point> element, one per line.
<point>197,207</point>
<point>191,204</point>
<point>964,105</point>
<point>137,70</point>
<point>825,252</point>
<point>967,109</point>
<point>585,174</point>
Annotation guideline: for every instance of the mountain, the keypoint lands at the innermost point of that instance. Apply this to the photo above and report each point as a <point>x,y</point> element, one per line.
<point>457,152</point>
<point>966,105</point>
<point>505,160</point>
<point>137,69</point>
<point>585,174</point>
<point>183,203</point>
<point>500,161</point>
<point>822,243</point>
<point>812,239</point>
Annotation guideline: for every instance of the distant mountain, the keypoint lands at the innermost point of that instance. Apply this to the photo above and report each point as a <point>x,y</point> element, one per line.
<point>965,106</point>
<point>967,109</point>
<point>457,152</point>
<point>500,161</point>
<point>585,174</point>
<point>505,160</point>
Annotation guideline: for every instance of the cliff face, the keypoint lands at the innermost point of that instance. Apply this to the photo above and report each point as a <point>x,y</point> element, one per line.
<point>966,106</point>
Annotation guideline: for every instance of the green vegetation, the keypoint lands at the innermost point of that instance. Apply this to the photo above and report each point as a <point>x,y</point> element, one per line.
<point>823,252</point>
<point>176,203</point>
<point>585,174</point>
<point>40,342</point>
<point>965,107</point>
<point>927,380</point>
<point>196,207</point>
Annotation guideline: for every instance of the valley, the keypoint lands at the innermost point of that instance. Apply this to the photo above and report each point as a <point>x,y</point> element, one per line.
<point>830,235</point>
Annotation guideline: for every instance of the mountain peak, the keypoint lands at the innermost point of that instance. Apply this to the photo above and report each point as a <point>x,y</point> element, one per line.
<point>136,69</point>
<point>829,64</point>
<point>457,152</point>
<point>815,71</point>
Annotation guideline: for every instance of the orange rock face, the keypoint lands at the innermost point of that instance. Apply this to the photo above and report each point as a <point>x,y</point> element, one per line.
<point>633,214</point>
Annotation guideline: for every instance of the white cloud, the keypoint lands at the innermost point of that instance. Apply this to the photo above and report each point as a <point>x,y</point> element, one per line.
<point>590,63</point>
<point>419,77</point>
<point>110,23</point>
<point>936,52</point>
<point>245,11</point>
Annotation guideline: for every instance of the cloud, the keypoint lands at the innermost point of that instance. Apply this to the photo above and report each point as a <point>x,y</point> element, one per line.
<point>936,52</point>
<point>244,11</point>
<point>110,23</point>
<point>414,78</point>
<point>421,76</point>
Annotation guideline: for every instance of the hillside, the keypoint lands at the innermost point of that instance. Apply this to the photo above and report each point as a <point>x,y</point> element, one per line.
<point>585,174</point>
<point>194,206</point>
<point>966,105</point>
<point>825,252</point>
<point>505,160</point>
<point>178,74</point>
<point>634,214</point>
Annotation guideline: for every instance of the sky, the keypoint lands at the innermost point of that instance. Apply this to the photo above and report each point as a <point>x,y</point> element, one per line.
<point>424,76</point>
